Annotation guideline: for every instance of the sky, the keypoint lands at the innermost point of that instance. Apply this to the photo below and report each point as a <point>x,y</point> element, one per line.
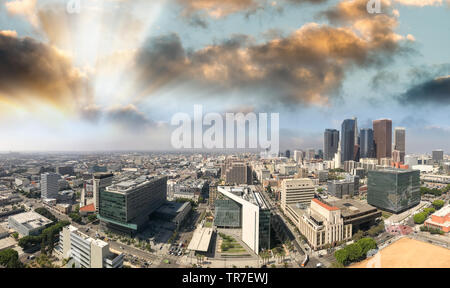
<point>110,74</point>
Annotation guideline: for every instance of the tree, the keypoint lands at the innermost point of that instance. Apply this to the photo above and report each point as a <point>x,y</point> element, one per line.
<point>366,245</point>
<point>354,251</point>
<point>438,204</point>
<point>429,210</point>
<point>358,235</point>
<point>342,256</point>
<point>10,259</point>
<point>419,218</point>
<point>47,214</point>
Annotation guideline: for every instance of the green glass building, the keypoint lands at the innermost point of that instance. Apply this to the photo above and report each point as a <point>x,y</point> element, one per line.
<point>227,213</point>
<point>125,207</point>
<point>393,190</point>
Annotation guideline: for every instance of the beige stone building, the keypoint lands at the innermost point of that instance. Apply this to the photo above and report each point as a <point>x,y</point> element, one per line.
<point>295,191</point>
<point>322,224</point>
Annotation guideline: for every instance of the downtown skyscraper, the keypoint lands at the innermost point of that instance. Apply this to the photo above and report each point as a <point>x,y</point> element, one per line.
<point>399,144</point>
<point>330,143</point>
<point>382,135</point>
<point>367,143</point>
<point>348,139</point>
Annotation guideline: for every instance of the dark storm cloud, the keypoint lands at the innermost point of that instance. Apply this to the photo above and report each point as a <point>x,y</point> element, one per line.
<point>382,79</point>
<point>436,91</point>
<point>129,117</point>
<point>30,70</point>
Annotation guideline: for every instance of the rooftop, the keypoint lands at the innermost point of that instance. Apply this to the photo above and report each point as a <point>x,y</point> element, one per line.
<point>328,207</point>
<point>31,219</point>
<point>200,239</point>
<point>350,207</point>
<point>128,185</point>
<point>444,211</point>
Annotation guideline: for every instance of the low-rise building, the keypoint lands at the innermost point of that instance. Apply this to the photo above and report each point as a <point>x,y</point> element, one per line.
<point>85,251</point>
<point>440,219</point>
<point>28,223</point>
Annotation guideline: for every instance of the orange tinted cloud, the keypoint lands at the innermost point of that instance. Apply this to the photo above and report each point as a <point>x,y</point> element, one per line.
<point>308,66</point>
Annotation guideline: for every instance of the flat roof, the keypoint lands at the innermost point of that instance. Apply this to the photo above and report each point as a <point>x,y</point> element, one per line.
<point>443,211</point>
<point>31,219</point>
<point>130,184</point>
<point>351,207</point>
<point>201,239</point>
<point>328,207</point>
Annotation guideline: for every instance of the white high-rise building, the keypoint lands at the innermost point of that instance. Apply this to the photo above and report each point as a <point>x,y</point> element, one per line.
<point>49,185</point>
<point>298,155</point>
<point>337,157</point>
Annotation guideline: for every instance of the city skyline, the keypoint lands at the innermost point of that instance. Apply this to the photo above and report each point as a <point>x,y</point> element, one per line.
<point>116,72</point>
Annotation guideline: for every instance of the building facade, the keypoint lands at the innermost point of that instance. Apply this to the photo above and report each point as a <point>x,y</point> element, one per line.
<point>295,191</point>
<point>348,139</point>
<point>254,216</point>
<point>367,144</point>
<point>49,185</point>
<point>382,135</point>
<point>85,251</point>
<point>393,190</point>
<point>330,143</point>
<point>125,207</point>
<point>100,182</point>
<point>323,225</point>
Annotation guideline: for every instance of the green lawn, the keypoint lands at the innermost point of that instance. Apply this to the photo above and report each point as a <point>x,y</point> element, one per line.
<point>231,245</point>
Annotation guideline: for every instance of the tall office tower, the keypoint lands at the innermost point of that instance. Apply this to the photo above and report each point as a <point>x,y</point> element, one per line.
<point>356,131</point>
<point>288,154</point>
<point>298,156</point>
<point>100,181</point>
<point>49,185</point>
<point>382,135</point>
<point>438,155</point>
<point>400,143</point>
<point>348,139</point>
<point>367,146</point>
<point>330,143</point>
<point>337,157</point>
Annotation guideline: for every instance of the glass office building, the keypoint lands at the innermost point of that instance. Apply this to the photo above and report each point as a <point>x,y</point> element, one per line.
<point>227,213</point>
<point>393,190</point>
<point>241,207</point>
<point>125,207</point>
<point>264,229</point>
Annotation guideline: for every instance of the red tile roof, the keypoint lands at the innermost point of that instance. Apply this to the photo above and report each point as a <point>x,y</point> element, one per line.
<point>328,207</point>
<point>88,208</point>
